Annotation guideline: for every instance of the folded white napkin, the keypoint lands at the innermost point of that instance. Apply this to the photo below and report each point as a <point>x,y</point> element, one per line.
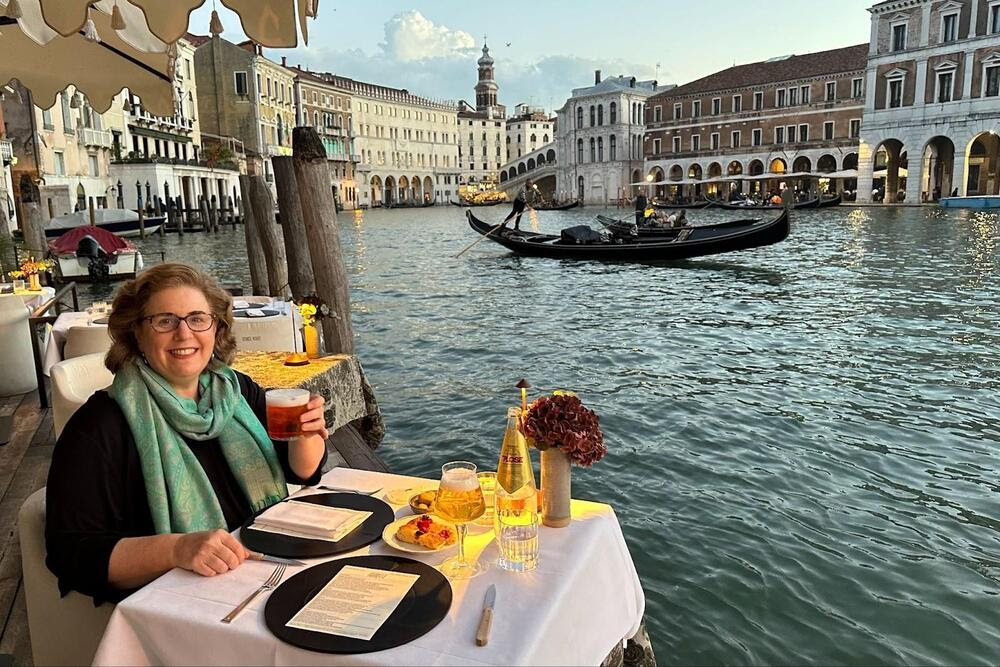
<point>241,304</point>
<point>256,312</point>
<point>320,521</point>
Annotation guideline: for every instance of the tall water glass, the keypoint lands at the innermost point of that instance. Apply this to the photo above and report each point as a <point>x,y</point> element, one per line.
<point>460,500</point>
<point>488,483</point>
<point>284,409</point>
<point>517,539</point>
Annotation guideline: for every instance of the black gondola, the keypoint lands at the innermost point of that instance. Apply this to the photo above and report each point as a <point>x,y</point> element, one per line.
<point>689,241</point>
<point>697,204</point>
<point>557,207</point>
<point>829,201</point>
<point>469,204</point>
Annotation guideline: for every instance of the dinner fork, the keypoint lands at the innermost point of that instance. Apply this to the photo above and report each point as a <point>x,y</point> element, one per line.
<point>270,583</point>
<point>346,490</point>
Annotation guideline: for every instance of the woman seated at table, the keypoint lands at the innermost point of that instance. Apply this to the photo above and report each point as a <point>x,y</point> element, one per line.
<point>153,473</point>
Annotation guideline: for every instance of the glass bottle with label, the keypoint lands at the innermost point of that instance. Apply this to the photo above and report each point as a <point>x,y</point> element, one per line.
<point>516,493</point>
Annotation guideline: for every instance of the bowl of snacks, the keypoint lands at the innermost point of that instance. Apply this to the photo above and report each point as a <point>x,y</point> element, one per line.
<point>422,503</point>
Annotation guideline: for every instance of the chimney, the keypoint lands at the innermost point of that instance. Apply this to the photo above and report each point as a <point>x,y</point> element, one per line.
<point>631,82</point>
<point>654,84</point>
<point>284,61</point>
<point>597,76</point>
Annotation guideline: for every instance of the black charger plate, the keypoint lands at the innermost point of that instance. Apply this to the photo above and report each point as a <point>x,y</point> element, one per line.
<point>424,606</point>
<point>244,313</point>
<point>286,546</point>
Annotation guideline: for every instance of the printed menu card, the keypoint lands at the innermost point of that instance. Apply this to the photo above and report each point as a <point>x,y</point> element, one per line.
<point>355,603</point>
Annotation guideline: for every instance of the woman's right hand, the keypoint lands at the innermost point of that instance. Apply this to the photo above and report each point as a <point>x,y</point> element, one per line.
<point>209,552</point>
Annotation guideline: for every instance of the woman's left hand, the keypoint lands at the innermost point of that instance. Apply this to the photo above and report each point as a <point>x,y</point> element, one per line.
<point>313,420</point>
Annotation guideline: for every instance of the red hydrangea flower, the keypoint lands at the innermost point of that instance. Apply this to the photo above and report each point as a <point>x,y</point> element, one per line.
<point>563,421</point>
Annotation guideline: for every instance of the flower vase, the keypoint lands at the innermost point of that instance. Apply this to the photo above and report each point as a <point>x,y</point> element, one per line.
<point>310,336</point>
<point>33,282</point>
<point>555,488</point>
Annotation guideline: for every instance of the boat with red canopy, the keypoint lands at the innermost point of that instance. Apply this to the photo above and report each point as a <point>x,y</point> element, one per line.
<point>89,253</point>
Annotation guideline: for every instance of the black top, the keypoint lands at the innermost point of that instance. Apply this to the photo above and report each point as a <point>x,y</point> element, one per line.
<point>640,202</point>
<point>96,494</point>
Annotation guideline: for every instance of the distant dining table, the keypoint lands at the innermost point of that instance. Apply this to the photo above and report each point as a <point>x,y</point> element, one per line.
<point>583,599</point>
<point>60,328</point>
<point>34,298</point>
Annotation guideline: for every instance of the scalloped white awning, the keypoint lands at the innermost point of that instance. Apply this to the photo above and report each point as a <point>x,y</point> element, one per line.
<point>46,51</point>
<point>270,23</point>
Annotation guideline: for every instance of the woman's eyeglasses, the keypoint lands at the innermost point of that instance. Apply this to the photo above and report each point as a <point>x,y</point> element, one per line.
<point>167,322</point>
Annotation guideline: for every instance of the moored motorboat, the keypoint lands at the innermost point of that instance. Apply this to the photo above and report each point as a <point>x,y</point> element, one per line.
<point>553,206</point>
<point>468,203</point>
<point>120,221</point>
<point>688,242</point>
<point>974,202</point>
<point>92,254</point>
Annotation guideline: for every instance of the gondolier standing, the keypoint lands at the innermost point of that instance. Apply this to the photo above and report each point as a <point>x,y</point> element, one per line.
<point>527,194</point>
<point>640,208</point>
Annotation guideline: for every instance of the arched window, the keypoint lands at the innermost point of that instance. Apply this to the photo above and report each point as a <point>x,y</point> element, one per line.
<point>600,114</point>
<point>545,138</point>
<point>593,150</point>
<point>579,150</point>
<point>579,117</point>
<point>611,147</point>
<point>534,140</point>
<point>600,149</point>
<point>593,116</point>
<point>316,119</point>
<point>613,113</point>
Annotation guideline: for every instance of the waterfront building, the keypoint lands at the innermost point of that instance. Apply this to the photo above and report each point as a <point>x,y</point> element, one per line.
<point>8,216</point>
<point>528,129</point>
<point>932,110</point>
<point>482,131</point>
<point>246,97</point>
<point>750,128</point>
<point>164,154</point>
<point>328,109</point>
<point>66,149</point>
<point>407,145</point>
<point>599,139</point>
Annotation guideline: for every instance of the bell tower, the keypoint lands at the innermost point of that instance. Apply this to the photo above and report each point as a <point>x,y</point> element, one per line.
<point>486,88</point>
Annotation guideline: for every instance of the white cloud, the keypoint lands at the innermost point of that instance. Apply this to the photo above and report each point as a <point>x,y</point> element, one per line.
<point>411,36</point>
<point>436,61</point>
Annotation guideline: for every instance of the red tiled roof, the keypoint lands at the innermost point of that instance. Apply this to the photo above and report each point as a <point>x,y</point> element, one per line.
<point>197,40</point>
<point>822,63</point>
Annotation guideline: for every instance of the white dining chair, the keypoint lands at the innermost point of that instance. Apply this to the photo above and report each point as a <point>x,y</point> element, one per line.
<point>271,334</point>
<point>73,382</point>
<point>16,358</point>
<point>83,340</point>
<point>63,630</point>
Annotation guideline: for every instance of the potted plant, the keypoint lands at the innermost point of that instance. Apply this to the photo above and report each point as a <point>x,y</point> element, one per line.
<point>565,432</point>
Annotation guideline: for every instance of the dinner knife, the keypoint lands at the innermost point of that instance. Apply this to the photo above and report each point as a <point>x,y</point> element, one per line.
<point>253,555</point>
<point>483,633</point>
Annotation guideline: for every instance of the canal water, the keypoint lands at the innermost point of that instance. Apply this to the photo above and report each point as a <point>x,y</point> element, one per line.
<point>803,438</point>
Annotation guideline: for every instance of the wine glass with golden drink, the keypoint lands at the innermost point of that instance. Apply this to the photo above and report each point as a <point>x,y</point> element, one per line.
<point>460,500</point>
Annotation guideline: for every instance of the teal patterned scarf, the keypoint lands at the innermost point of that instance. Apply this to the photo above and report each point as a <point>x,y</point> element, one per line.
<point>181,498</point>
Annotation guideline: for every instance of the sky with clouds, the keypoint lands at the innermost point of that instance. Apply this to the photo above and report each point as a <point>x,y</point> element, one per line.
<point>544,49</point>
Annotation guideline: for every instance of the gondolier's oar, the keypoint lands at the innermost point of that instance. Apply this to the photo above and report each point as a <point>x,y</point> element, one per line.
<point>481,238</point>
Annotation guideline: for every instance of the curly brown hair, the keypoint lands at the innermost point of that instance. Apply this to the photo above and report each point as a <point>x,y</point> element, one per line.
<point>131,298</point>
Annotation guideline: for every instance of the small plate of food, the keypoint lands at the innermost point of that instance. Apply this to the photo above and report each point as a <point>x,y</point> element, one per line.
<point>420,534</point>
<point>423,503</point>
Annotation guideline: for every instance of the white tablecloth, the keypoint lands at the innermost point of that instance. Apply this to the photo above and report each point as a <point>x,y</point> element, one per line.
<point>34,299</point>
<point>584,597</point>
<point>57,336</point>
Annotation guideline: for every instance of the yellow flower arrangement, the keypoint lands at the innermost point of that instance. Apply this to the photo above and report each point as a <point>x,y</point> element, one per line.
<point>31,266</point>
<point>17,275</point>
<point>308,313</point>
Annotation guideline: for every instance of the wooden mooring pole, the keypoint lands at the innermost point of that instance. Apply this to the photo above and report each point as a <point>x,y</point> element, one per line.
<point>319,214</point>
<point>266,229</point>
<point>255,251</point>
<point>293,229</point>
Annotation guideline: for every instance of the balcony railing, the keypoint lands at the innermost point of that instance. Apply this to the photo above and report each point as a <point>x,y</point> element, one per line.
<point>95,138</point>
<point>6,150</point>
